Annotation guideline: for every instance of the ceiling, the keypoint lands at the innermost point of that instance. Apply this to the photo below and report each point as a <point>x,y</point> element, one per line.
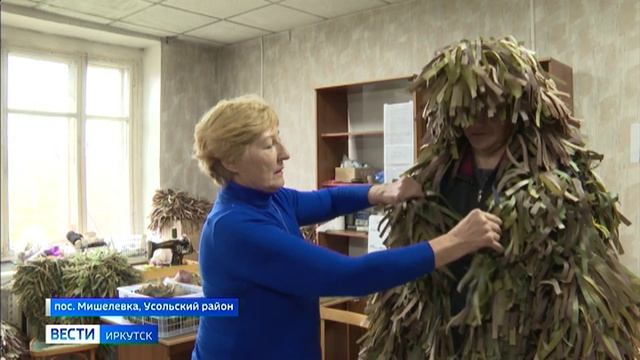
<point>215,22</point>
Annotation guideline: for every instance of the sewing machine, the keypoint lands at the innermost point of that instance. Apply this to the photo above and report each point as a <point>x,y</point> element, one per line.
<point>178,248</point>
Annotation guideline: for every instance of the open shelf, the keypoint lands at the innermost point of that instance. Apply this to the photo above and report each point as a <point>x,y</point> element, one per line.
<point>347,233</point>
<point>350,121</point>
<point>352,134</point>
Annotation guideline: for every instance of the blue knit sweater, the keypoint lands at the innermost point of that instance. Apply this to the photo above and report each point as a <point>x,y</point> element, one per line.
<point>251,249</point>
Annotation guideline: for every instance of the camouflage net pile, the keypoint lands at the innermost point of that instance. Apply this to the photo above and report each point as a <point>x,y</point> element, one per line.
<point>13,345</point>
<point>170,205</point>
<point>95,274</point>
<point>559,290</point>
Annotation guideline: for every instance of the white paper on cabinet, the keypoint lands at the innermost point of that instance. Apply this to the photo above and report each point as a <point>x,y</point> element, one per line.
<point>398,139</point>
<point>375,240</point>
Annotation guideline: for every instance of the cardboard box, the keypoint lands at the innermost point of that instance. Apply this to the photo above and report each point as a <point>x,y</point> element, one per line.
<point>354,174</point>
<point>333,224</point>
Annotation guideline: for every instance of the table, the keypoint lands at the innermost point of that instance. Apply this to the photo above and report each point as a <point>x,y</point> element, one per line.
<point>158,272</point>
<point>173,348</point>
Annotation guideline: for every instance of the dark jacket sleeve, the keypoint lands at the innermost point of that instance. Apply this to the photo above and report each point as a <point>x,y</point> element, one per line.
<point>255,250</point>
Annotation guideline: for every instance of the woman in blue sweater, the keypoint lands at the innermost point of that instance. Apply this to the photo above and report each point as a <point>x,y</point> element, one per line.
<point>251,247</point>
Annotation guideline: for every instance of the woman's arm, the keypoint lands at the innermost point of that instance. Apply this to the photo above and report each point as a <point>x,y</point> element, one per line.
<point>257,251</point>
<point>312,207</point>
<point>390,194</point>
<point>316,206</point>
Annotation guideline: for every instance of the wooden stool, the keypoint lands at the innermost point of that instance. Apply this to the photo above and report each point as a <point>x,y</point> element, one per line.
<point>41,350</point>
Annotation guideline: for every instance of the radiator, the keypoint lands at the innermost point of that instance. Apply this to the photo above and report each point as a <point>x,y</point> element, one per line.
<point>10,311</point>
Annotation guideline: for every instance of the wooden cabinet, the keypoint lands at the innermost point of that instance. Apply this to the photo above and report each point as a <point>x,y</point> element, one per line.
<point>562,74</point>
<point>350,122</point>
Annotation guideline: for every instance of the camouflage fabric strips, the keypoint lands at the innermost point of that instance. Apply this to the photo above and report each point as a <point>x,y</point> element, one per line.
<point>559,291</point>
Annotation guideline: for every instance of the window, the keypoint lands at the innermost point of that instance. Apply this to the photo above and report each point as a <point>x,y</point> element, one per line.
<point>67,147</point>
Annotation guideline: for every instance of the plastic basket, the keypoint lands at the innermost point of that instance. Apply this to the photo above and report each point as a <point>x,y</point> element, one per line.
<point>131,246</point>
<point>167,326</point>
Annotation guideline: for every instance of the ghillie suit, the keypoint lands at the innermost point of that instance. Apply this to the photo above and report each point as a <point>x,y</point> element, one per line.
<point>559,290</point>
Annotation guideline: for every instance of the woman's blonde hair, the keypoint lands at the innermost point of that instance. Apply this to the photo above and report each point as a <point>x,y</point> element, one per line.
<point>224,132</point>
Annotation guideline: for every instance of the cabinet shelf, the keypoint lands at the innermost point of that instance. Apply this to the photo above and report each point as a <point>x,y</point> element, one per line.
<point>352,134</point>
<point>347,233</point>
<point>350,121</point>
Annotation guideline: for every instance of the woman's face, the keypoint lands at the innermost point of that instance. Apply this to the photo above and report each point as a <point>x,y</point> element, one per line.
<point>261,166</point>
<point>487,136</point>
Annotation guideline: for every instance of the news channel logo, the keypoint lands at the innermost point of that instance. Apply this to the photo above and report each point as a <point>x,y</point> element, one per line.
<point>101,334</point>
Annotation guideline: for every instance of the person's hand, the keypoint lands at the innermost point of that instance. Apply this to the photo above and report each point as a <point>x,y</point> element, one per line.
<point>477,230</point>
<point>390,194</point>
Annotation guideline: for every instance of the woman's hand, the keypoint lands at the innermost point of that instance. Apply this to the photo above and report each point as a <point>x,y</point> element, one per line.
<point>390,194</point>
<point>477,230</point>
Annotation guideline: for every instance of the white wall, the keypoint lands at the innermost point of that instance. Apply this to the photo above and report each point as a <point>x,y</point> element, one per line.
<point>189,88</point>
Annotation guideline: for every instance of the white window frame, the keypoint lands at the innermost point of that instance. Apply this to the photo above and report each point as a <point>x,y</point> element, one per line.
<point>82,60</point>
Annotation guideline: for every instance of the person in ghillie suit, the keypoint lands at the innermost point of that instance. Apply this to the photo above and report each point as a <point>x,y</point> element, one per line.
<point>500,138</point>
